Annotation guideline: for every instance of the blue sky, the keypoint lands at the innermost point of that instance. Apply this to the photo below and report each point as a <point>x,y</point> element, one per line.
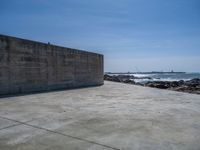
<point>144,35</point>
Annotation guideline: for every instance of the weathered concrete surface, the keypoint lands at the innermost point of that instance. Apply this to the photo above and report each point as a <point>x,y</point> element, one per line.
<point>112,116</point>
<point>28,66</point>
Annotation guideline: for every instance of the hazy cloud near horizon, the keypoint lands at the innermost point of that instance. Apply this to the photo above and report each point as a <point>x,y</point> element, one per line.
<point>151,35</point>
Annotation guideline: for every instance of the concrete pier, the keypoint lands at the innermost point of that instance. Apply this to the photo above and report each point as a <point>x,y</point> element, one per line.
<point>113,116</point>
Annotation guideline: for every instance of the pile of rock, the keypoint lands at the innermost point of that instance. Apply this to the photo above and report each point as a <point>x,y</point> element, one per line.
<point>191,86</point>
<point>120,78</point>
<point>164,84</point>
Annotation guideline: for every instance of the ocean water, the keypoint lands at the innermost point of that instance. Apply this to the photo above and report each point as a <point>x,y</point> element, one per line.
<point>145,77</point>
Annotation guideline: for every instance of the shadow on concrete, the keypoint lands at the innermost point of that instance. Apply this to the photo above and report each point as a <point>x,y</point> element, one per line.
<point>48,91</point>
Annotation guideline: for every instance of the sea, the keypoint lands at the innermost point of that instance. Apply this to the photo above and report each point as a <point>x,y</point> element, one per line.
<point>162,76</point>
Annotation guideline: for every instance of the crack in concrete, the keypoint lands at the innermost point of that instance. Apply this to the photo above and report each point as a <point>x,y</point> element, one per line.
<point>70,136</point>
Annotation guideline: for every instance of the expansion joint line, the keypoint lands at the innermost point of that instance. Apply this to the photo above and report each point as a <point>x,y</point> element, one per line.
<point>63,134</point>
<point>14,125</point>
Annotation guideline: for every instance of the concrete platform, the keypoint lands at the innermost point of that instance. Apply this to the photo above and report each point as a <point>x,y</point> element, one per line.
<point>113,116</point>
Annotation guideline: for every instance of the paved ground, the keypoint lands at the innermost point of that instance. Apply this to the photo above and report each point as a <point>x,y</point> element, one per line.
<point>113,116</point>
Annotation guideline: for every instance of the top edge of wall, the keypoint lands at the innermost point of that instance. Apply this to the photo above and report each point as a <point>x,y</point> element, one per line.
<point>73,49</point>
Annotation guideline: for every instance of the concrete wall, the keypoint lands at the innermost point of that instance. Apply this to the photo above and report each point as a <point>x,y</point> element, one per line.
<point>28,66</point>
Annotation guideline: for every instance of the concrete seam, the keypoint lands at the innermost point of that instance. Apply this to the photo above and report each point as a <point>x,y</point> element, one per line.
<point>14,125</point>
<point>70,136</point>
<point>10,126</point>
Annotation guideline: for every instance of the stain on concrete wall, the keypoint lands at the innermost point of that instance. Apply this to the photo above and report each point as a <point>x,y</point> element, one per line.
<point>27,66</point>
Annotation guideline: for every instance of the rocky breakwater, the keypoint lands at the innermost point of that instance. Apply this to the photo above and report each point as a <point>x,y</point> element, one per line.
<point>124,78</point>
<point>120,78</point>
<point>190,86</point>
